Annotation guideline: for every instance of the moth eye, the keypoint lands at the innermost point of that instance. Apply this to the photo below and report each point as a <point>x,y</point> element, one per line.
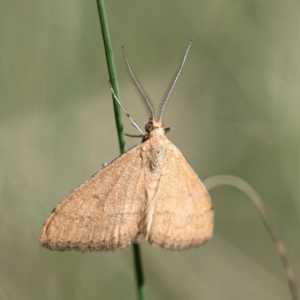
<point>148,127</point>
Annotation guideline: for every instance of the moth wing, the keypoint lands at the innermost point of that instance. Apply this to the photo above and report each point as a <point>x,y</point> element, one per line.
<point>101,214</point>
<point>180,215</point>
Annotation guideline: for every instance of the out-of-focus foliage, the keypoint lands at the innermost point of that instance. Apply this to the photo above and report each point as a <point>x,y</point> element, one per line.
<point>235,110</point>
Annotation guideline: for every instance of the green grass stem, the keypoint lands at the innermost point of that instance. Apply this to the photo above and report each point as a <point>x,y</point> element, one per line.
<point>112,72</point>
<point>119,124</point>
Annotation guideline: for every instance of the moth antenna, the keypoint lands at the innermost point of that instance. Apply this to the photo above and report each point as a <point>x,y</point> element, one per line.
<point>170,90</point>
<point>145,98</point>
<point>126,113</point>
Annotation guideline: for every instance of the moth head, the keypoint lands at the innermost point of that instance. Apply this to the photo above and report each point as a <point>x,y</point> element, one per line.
<point>154,127</point>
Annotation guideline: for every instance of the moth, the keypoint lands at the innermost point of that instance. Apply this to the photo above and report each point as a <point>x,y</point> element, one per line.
<point>149,193</point>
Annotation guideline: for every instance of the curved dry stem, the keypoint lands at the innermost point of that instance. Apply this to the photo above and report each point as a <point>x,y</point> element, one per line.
<point>242,185</point>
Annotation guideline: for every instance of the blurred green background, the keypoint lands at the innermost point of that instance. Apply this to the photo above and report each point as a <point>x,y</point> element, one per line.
<point>235,110</point>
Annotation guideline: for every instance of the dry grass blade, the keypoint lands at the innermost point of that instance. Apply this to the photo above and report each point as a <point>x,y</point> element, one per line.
<point>242,185</point>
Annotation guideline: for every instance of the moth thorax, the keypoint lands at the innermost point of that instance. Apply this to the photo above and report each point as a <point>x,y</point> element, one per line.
<point>157,156</point>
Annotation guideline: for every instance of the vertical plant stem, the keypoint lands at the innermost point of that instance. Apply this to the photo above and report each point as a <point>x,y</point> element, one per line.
<point>119,124</point>
<point>112,72</point>
<point>139,272</point>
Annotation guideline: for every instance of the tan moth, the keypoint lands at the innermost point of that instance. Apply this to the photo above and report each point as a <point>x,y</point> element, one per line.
<point>149,193</point>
